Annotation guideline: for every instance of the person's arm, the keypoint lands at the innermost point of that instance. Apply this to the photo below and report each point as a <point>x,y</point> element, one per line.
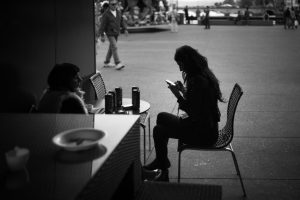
<point>102,26</point>
<point>73,105</point>
<point>181,87</point>
<point>124,24</point>
<point>194,99</point>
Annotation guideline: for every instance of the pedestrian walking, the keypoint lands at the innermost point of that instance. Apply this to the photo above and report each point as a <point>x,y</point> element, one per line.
<point>111,22</point>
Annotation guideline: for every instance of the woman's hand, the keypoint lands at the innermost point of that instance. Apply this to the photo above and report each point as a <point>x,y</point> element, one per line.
<point>175,91</point>
<point>180,87</point>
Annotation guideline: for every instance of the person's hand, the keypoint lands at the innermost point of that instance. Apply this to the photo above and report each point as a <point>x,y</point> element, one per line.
<point>180,86</point>
<point>89,107</point>
<point>102,38</point>
<point>79,92</point>
<point>126,33</point>
<point>175,91</point>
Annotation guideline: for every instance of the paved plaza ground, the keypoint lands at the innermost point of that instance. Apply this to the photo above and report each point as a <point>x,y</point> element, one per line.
<point>265,62</point>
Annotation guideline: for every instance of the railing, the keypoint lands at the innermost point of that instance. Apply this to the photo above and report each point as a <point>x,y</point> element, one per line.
<point>278,20</point>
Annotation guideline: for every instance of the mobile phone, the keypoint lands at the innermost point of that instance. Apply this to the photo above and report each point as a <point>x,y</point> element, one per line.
<point>170,82</point>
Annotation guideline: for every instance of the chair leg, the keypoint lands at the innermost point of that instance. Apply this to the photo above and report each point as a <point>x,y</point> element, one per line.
<point>144,130</point>
<point>149,133</point>
<point>179,166</point>
<point>238,171</point>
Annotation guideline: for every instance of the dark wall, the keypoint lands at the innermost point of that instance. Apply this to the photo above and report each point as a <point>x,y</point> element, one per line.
<point>37,34</point>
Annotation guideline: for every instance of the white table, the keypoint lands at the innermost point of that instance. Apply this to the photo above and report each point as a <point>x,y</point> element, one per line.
<point>99,173</point>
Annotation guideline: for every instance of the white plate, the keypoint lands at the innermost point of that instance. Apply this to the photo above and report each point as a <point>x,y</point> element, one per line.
<point>78,139</point>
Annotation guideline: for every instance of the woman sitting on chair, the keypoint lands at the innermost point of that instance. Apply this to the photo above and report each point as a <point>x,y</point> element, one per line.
<point>64,94</point>
<point>199,101</point>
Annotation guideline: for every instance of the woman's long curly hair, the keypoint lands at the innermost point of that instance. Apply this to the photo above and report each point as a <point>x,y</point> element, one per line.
<point>194,64</point>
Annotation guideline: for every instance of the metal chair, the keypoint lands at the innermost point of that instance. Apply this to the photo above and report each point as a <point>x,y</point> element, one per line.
<point>143,118</point>
<point>225,135</point>
<point>99,85</point>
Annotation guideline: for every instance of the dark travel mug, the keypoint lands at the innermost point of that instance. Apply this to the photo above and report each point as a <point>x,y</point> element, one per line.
<point>119,97</point>
<point>109,103</point>
<point>135,98</point>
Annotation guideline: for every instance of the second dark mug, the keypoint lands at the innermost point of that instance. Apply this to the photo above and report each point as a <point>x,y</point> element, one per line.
<point>135,98</point>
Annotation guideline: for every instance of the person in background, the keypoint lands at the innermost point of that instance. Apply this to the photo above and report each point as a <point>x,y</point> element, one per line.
<point>63,94</point>
<point>246,15</point>
<point>293,17</point>
<point>198,97</point>
<point>266,16</point>
<point>297,13</point>
<point>101,8</point>
<point>198,17</point>
<point>198,13</point>
<point>120,7</point>
<point>202,17</point>
<point>174,16</point>
<point>186,13</point>
<point>238,18</point>
<point>104,6</point>
<point>206,19</point>
<point>110,25</point>
<point>286,17</point>
<point>297,17</point>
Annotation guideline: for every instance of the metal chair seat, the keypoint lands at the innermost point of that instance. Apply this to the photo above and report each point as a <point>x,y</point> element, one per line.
<point>224,139</point>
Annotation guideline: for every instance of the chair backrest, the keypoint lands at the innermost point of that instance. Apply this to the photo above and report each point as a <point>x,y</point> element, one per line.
<point>226,134</point>
<point>99,85</point>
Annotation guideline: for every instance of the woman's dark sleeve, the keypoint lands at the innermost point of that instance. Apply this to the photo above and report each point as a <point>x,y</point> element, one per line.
<point>194,101</point>
<point>72,105</point>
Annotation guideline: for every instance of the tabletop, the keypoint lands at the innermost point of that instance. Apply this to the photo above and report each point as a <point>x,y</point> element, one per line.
<point>53,173</point>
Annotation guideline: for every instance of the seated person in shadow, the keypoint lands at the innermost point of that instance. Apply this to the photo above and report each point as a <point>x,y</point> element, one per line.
<point>198,97</point>
<point>14,97</point>
<point>64,94</point>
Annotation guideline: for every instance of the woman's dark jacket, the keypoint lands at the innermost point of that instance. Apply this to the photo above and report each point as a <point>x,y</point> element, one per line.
<point>201,104</point>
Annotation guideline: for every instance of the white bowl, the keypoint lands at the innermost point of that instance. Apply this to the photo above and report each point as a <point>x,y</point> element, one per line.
<point>78,139</point>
